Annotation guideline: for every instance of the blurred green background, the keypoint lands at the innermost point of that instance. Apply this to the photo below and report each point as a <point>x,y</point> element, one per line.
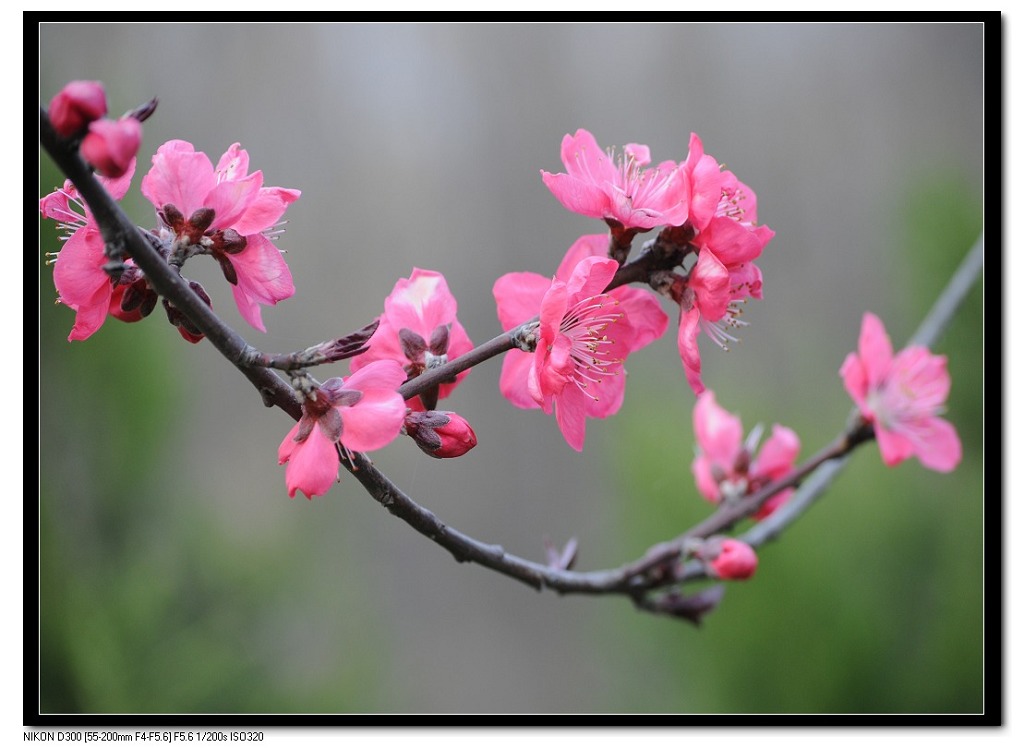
<point>177,576</point>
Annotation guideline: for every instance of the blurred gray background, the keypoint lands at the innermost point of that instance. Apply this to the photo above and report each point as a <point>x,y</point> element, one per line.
<point>177,576</point>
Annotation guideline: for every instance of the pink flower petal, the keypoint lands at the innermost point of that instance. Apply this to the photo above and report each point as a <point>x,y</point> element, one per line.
<point>719,433</point>
<point>91,314</point>
<point>248,307</point>
<point>570,410</point>
<point>706,483</point>
<point>384,346</point>
<point>375,420</point>
<point>894,446</point>
<point>515,373</point>
<point>646,317</point>
<point>588,245</point>
<point>938,446</point>
<point>590,278</point>
<point>578,196</point>
<point>706,182</point>
<point>180,176</point>
<point>777,454</point>
<point>855,379</point>
<point>584,159</point>
<point>265,210</point>
<point>709,280</point>
<point>234,164</point>
<point>78,272</point>
<point>875,349</point>
<point>732,242</point>
<point>689,327</point>
<point>312,464</point>
<point>519,296</point>
<point>420,303</point>
<point>386,375</point>
<point>262,271</point>
<point>230,200</point>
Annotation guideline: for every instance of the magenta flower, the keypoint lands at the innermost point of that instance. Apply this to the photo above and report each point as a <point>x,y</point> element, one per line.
<point>361,413</point>
<point>584,337</point>
<point>623,192</point>
<point>76,105</point>
<point>419,330</point>
<point>82,283</point>
<point>228,213</point>
<point>902,397</point>
<point>725,466</point>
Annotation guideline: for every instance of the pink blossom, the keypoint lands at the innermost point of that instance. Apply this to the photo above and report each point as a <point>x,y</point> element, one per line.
<point>76,105</point>
<point>902,397</point>
<point>361,413</point>
<point>723,217</point>
<point>228,213</point>
<point>623,192</point>
<point>82,283</point>
<point>728,558</point>
<point>110,145</point>
<point>584,337</point>
<point>725,466</point>
<point>419,330</point>
<point>441,434</point>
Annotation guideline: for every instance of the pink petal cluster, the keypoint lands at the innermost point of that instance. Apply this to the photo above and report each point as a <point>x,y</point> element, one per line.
<point>624,191</point>
<point>584,337</point>
<point>419,330</point>
<point>725,466</point>
<point>230,214</point>
<point>723,217</point>
<point>76,105</point>
<point>361,413</point>
<point>902,396</point>
<point>82,283</point>
<point>728,558</point>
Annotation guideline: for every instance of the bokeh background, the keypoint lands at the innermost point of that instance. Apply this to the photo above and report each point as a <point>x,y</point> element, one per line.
<point>177,576</point>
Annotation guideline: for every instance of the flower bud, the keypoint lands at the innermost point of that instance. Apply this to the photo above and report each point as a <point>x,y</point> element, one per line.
<point>729,558</point>
<point>440,433</point>
<point>76,105</point>
<point>111,145</point>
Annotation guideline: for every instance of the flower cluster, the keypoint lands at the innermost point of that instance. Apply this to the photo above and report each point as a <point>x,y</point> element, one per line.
<point>572,332</point>
<point>701,205</point>
<point>230,216</point>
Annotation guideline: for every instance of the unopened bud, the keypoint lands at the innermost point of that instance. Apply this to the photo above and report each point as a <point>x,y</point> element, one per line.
<point>187,327</point>
<point>728,558</point>
<point>440,433</point>
<point>76,105</point>
<point>111,145</point>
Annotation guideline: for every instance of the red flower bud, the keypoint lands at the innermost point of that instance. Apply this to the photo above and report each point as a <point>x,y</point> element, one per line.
<point>440,433</point>
<point>729,558</point>
<point>110,145</point>
<point>76,105</point>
